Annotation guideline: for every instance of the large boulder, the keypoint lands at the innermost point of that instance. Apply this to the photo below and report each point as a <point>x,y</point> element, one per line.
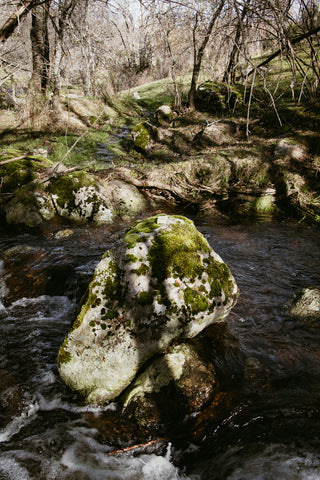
<point>215,97</point>
<point>218,133</point>
<point>163,282</point>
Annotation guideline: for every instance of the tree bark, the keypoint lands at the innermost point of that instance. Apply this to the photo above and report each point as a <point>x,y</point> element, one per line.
<point>198,55</point>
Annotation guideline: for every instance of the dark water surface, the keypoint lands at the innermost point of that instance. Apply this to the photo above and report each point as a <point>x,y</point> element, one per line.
<point>269,363</point>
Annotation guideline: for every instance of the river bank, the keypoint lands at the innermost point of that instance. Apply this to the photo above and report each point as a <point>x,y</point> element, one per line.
<point>214,164</point>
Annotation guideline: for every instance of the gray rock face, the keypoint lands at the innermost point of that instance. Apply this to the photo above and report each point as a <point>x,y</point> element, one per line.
<point>163,282</point>
<point>306,304</point>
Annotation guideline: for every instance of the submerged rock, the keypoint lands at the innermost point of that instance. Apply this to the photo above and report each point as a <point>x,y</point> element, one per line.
<point>162,283</point>
<point>176,384</point>
<point>306,304</point>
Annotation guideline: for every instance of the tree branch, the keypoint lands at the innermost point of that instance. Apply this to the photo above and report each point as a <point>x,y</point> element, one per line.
<point>12,22</point>
<point>295,40</point>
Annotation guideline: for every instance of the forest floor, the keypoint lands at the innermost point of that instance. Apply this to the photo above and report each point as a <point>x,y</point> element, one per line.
<point>270,166</point>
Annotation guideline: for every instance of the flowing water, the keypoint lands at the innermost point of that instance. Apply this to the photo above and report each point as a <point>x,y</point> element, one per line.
<point>267,361</point>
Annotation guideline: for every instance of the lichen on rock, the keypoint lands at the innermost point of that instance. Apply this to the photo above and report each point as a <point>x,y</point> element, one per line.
<point>78,197</point>
<point>162,283</point>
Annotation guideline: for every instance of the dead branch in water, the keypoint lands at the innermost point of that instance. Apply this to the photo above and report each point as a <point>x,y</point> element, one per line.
<point>132,448</point>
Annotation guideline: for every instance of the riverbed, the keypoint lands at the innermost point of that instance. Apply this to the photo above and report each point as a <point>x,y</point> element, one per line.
<point>268,364</point>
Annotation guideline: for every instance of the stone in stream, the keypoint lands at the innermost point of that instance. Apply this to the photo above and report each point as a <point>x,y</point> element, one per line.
<point>163,282</point>
<point>306,304</point>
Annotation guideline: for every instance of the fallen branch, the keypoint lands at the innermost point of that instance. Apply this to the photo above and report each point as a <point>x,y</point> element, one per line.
<point>136,447</point>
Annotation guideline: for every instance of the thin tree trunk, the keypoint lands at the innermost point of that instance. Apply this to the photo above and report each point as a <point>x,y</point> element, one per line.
<point>198,55</point>
<point>229,74</point>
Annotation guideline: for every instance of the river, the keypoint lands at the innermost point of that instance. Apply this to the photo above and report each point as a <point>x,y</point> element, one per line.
<point>267,361</point>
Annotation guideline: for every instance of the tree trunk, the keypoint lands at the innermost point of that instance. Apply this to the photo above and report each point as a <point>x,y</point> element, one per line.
<point>198,55</point>
<point>36,98</point>
<point>40,49</point>
<point>65,10</point>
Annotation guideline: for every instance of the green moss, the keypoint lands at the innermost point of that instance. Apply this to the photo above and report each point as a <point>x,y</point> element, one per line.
<point>195,300</point>
<point>64,356</point>
<point>220,279</point>
<point>17,180</point>
<point>141,135</point>
<point>176,251</point>
<point>67,185</point>
<point>142,270</point>
<point>131,258</point>
<point>145,298</point>
<point>132,239</point>
<point>110,314</point>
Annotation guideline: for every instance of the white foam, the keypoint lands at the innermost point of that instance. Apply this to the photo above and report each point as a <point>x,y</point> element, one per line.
<point>11,469</point>
<point>47,405</point>
<point>98,465</point>
<point>19,422</point>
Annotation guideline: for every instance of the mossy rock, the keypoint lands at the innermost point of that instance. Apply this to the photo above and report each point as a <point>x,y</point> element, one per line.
<point>30,206</point>
<point>142,135</point>
<point>162,282</point>
<point>78,197</point>
<point>18,173</point>
<point>214,97</point>
<point>264,204</point>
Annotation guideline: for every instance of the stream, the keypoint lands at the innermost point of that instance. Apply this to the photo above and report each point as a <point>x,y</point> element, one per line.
<point>268,364</point>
